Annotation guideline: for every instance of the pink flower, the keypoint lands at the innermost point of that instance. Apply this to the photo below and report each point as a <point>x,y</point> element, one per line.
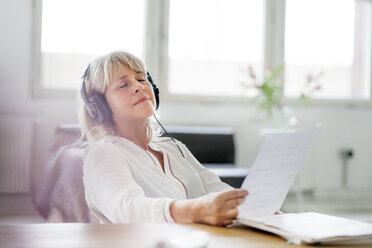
<point>309,78</point>
<point>252,74</point>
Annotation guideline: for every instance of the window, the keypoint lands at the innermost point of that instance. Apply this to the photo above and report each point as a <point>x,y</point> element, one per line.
<point>211,44</point>
<point>73,32</point>
<point>325,41</point>
<point>329,41</point>
<point>204,48</point>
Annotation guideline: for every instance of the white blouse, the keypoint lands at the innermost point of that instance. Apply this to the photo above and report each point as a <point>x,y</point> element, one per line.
<point>125,183</point>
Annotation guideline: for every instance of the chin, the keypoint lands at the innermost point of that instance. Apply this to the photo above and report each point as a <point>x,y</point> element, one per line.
<point>144,111</point>
<point>147,114</point>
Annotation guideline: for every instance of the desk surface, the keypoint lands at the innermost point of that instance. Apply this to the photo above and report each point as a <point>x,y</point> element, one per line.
<point>133,235</point>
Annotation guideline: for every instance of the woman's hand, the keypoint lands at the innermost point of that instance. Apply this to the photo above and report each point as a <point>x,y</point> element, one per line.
<point>219,208</point>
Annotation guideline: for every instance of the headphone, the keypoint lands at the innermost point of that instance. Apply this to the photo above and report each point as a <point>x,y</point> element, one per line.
<point>96,103</point>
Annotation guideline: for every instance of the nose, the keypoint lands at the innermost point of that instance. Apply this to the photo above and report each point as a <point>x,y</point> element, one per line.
<point>138,87</point>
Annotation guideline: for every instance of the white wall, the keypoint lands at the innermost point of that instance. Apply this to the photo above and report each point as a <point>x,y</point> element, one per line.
<point>344,127</point>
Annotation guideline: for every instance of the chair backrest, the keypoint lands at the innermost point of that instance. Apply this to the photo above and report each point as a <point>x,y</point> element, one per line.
<point>60,196</point>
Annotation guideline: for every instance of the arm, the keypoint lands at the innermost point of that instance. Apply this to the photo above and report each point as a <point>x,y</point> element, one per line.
<point>112,191</point>
<point>219,208</point>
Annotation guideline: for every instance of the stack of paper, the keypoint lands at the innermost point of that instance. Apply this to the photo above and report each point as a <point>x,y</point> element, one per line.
<point>312,228</point>
<point>268,182</point>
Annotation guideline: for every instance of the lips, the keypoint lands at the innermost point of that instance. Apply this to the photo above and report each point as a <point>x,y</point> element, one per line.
<point>141,100</point>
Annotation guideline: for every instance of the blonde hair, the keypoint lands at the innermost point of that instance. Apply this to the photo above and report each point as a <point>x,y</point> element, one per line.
<point>101,72</point>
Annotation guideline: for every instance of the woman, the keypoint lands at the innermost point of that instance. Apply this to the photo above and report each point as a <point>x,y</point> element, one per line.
<point>131,174</point>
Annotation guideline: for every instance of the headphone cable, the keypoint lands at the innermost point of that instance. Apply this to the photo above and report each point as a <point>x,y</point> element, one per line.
<point>170,136</point>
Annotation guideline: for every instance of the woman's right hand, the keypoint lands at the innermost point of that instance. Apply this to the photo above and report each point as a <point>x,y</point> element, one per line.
<point>218,208</point>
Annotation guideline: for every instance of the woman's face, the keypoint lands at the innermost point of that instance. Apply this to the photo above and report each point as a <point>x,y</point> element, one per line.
<point>130,96</point>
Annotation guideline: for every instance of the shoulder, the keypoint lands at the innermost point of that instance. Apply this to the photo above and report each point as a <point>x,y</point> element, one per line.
<point>105,146</point>
<point>105,154</point>
<point>98,145</point>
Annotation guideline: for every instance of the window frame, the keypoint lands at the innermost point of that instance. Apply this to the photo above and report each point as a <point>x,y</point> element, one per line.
<point>156,55</point>
<point>38,91</point>
<point>274,35</point>
<point>349,103</point>
<point>163,48</point>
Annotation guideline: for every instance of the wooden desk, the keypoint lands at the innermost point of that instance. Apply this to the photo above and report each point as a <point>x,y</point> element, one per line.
<point>132,235</point>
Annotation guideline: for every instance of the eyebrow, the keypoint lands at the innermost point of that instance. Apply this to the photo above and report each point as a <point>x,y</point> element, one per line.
<point>124,76</point>
<point>120,79</point>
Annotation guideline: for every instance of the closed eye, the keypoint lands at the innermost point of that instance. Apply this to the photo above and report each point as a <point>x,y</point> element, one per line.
<point>124,85</point>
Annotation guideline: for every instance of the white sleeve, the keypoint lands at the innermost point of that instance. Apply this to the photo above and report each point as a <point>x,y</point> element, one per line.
<point>112,191</point>
<point>212,182</point>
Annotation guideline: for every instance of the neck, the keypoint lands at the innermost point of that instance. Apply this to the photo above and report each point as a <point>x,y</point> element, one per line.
<point>135,132</point>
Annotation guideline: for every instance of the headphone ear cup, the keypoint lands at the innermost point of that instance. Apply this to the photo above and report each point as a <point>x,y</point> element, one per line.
<point>102,110</point>
<point>154,89</point>
<point>96,104</point>
<point>156,94</point>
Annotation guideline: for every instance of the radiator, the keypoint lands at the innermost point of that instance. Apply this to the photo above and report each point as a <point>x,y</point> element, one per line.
<point>16,135</point>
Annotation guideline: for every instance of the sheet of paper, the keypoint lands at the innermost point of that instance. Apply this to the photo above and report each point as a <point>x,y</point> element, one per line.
<point>272,174</point>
